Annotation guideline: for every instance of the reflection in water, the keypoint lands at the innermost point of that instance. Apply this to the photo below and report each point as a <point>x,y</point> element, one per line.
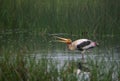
<point>64,56</point>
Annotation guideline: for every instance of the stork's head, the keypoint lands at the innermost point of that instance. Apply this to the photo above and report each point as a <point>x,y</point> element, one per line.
<point>64,40</point>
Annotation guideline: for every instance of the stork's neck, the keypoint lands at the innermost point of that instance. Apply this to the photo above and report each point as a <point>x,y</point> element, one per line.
<point>71,47</point>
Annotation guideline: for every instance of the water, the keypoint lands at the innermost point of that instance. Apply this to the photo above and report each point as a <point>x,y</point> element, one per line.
<point>61,56</point>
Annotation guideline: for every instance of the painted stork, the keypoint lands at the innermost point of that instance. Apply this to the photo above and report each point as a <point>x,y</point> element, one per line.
<point>80,44</point>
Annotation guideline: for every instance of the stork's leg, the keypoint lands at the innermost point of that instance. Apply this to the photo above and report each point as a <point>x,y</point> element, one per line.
<point>82,56</point>
<point>83,60</point>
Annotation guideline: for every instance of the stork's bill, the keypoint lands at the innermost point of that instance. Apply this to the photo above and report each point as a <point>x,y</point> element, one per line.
<point>64,40</point>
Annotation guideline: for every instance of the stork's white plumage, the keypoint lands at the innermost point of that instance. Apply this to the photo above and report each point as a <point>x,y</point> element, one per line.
<point>80,44</point>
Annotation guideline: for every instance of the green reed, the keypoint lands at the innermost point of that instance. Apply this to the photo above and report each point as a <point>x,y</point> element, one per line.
<point>66,16</point>
<point>21,67</point>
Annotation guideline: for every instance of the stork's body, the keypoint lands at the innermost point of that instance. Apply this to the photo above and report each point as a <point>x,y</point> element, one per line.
<point>80,44</point>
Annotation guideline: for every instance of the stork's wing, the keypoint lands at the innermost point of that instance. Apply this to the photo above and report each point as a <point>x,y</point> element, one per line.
<point>83,44</point>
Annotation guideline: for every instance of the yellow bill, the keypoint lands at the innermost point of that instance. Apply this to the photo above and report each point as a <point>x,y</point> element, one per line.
<point>64,40</point>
